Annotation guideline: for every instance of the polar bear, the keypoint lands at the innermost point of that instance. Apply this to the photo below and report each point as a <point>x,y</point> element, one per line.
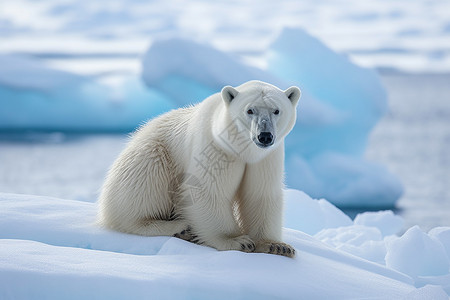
<point>210,173</point>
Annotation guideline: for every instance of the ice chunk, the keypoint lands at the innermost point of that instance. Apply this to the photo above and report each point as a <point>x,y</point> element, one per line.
<point>443,235</point>
<point>362,241</point>
<point>438,281</point>
<point>386,221</point>
<point>427,292</point>
<point>417,254</point>
<point>303,213</point>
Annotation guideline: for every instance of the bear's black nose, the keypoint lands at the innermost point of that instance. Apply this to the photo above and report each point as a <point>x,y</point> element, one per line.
<point>265,138</point>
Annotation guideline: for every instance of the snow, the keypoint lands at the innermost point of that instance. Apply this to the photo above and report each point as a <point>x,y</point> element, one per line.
<point>372,236</point>
<point>51,248</point>
<point>443,235</point>
<point>361,241</point>
<point>402,254</point>
<point>309,216</point>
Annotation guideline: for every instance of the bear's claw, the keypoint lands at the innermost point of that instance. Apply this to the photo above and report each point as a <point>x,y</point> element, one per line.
<point>275,248</point>
<point>242,243</point>
<point>187,235</point>
<point>248,247</point>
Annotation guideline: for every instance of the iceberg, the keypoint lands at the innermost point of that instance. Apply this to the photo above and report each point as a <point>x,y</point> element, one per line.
<point>353,92</point>
<point>35,97</point>
<point>328,158</point>
<point>189,72</point>
<point>51,248</point>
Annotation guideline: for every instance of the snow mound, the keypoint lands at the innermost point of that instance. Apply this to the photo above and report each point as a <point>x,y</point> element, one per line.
<point>443,235</point>
<point>417,254</point>
<point>361,241</point>
<point>311,216</point>
<point>424,257</point>
<point>51,248</point>
<point>340,104</point>
<point>386,221</point>
<point>372,236</point>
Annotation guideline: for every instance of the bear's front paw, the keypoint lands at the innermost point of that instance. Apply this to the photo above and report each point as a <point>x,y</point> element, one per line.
<point>241,243</point>
<point>188,235</point>
<point>278,248</point>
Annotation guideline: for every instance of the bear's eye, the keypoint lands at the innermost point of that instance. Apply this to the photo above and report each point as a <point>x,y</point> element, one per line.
<point>250,111</point>
<point>276,112</point>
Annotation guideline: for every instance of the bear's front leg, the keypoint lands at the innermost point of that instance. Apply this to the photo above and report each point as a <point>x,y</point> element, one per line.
<point>261,204</point>
<point>214,225</point>
<point>208,206</point>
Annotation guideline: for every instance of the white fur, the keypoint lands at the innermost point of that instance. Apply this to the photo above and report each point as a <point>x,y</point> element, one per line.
<point>199,167</point>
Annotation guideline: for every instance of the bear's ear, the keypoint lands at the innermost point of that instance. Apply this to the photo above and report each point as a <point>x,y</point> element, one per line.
<point>293,93</point>
<point>228,94</point>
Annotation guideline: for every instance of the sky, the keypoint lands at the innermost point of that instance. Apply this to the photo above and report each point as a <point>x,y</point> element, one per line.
<point>412,36</point>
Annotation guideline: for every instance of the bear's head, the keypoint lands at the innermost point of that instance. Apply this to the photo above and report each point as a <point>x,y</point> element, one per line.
<point>261,114</point>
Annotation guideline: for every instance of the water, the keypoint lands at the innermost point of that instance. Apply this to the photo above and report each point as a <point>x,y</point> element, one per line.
<point>57,165</point>
<point>413,141</point>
